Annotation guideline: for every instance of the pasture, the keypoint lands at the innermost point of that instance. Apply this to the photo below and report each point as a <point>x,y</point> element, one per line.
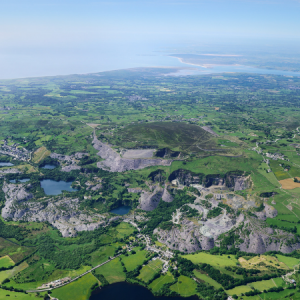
<point>158,283</point>
<point>263,285</point>
<point>214,260</point>
<point>6,262</point>
<point>207,279</point>
<point>133,260</point>
<point>239,290</point>
<point>289,261</point>
<point>185,286</point>
<point>150,270</point>
<point>112,271</point>
<point>77,290</point>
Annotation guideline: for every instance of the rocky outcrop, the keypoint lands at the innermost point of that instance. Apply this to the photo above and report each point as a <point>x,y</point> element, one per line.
<point>255,237</point>
<point>268,212</point>
<point>68,162</point>
<point>9,171</point>
<point>134,190</point>
<point>231,180</point>
<point>166,195</point>
<point>150,200</point>
<point>114,163</point>
<point>186,177</point>
<point>63,213</point>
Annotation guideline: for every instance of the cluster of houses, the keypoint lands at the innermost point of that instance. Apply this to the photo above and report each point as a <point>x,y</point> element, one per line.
<point>54,283</point>
<point>15,151</point>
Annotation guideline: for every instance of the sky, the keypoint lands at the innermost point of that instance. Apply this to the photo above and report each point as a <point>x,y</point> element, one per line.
<point>39,38</point>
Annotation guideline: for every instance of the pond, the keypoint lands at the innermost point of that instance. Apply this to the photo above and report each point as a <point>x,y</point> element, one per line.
<point>122,210</point>
<point>52,187</point>
<point>6,164</point>
<point>19,180</point>
<point>48,166</point>
<point>126,291</point>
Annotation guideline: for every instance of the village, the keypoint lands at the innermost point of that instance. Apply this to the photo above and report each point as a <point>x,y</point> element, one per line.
<point>15,151</point>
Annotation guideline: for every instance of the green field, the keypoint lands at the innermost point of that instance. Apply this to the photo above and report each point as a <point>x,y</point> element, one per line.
<point>102,254</point>
<point>207,279</point>
<point>289,261</point>
<point>239,290</point>
<point>185,286</point>
<point>134,260</point>
<point>112,271</point>
<point>263,285</point>
<point>124,229</point>
<point>158,283</point>
<point>4,294</point>
<point>6,262</point>
<point>214,260</point>
<point>77,290</point>
<point>150,270</point>
<point>13,272</point>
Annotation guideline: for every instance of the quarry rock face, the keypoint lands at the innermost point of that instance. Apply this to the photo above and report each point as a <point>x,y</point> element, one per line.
<point>70,160</point>
<point>113,162</point>
<point>268,212</point>
<point>63,213</point>
<point>234,182</point>
<point>9,171</point>
<point>150,200</point>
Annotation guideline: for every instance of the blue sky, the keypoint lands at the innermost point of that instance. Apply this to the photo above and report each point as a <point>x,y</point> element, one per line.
<point>30,28</point>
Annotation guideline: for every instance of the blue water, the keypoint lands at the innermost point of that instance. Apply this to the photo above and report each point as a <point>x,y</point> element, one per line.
<point>122,210</point>
<point>197,70</point>
<point>20,180</point>
<point>52,187</point>
<point>48,166</point>
<point>5,164</point>
<point>126,291</point>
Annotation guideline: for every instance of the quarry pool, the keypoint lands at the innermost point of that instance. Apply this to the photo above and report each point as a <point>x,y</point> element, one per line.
<point>122,210</point>
<point>48,166</point>
<point>5,164</point>
<point>19,180</point>
<point>52,187</point>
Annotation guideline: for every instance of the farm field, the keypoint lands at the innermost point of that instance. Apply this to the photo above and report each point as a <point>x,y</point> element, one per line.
<point>134,260</point>
<point>214,260</point>
<point>289,261</point>
<point>239,290</point>
<point>12,272</point>
<point>150,270</point>
<point>264,284</point>
<point>289,184</point>
<point>185,286</point>
<point>6,261</point>
<point>158,283</point>
<point>112,271</point>
<point>207,279</point>
<point>77,290</point>
<point>4,294</point>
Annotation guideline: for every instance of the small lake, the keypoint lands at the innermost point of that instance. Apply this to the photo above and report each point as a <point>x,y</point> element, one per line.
<point>126,291</point>
<point>52,187</point>
<point>19,180</point>
<point>122,210</point>
<point>49,167</point>
<point>6,164</point>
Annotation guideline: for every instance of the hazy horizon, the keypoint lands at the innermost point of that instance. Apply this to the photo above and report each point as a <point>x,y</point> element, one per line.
<point>58,38</point>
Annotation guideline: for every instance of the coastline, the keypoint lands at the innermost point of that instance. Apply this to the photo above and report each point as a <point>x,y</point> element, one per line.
<point>206,66</point>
